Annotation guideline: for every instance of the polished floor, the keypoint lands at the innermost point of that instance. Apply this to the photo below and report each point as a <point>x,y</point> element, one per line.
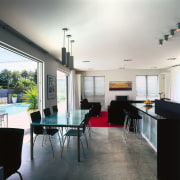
<point>107,158</point>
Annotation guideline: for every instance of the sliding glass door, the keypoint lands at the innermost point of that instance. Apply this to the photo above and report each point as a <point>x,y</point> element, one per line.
<point>62,91</point>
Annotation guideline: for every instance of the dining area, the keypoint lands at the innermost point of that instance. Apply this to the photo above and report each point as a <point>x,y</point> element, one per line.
<point>69,123</point>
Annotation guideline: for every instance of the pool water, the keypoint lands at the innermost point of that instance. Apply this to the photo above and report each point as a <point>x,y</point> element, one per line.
<point>14,108</point>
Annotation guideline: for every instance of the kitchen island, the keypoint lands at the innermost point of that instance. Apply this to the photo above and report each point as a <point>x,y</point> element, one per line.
<point>160,126</point>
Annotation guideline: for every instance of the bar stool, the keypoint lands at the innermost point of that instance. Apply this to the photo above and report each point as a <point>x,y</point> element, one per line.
<point>132,119</point>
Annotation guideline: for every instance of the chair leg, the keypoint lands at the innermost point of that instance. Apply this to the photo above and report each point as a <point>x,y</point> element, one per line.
<point>51,145</point>
<point>83,148</point>
<point>127,129</point>
<point>19,175</point>
<point>63,146</point>
<point>35,139</point>
<point>60,139</point>
<point>86,139</point>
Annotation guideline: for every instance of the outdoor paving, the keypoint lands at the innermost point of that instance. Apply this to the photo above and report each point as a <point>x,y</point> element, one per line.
<point>20,120</point>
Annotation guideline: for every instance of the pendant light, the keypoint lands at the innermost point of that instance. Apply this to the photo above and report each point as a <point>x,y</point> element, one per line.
<point>63,48</point>
<point>71,60</point>
<point>68,53</point>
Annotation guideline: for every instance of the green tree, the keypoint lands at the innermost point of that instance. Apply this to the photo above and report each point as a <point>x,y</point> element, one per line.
<point>24,74</point>
<point>5,77</point>
<point>15,77</point>
<point>35,76</point>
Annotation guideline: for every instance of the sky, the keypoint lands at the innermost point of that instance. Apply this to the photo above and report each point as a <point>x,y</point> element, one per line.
<point>14,62</point>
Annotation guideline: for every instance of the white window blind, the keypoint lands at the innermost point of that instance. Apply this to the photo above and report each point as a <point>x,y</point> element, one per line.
<point>88,86</point>
<point>99,86</point>
<point>146,87</point>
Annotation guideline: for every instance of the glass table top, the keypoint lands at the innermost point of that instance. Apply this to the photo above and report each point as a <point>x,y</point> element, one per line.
<point>70,118</point>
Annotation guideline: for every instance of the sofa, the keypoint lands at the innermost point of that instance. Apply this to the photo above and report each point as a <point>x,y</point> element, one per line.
<point>94,106</point>
<point>115,112</point>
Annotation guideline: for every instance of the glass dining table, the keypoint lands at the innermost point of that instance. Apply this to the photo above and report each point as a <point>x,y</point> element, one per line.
<point>72,118</point>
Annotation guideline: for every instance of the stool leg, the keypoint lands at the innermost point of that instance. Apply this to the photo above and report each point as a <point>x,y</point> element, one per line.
<point>127,129</point>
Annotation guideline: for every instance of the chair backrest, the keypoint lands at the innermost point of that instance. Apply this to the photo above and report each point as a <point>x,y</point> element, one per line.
<point>36,117</point>
<point>47,112</point>
<point>55,109</point>
<point>84,123</point>
<point>11,140</point>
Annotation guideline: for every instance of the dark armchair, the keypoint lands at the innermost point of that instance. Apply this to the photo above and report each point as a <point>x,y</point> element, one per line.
<point>95,106</point>
<point>11,140</point>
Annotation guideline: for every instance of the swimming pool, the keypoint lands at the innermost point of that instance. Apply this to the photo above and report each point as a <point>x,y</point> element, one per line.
<point>14,108</point>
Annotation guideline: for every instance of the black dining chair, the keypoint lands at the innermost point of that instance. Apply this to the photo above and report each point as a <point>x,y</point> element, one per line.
<point>47,112</point>
<point>40,130</point>
<point>55,109</point>
<point>74,132</point>
<point>11,140</point>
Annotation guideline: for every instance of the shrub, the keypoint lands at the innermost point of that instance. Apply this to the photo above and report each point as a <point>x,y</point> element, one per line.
<point>14,95</point>
<point>30,96</point>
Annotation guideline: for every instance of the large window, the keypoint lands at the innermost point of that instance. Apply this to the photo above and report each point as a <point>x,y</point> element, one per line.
<point>146,87</point>
<point>93,88</point>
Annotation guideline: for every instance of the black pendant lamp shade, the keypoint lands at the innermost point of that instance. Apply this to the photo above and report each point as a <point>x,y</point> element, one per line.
<point>71,60</point>
<point>67,58</point>
<point>64,56</point>
<point>63,52</point>
<point>68,53</point>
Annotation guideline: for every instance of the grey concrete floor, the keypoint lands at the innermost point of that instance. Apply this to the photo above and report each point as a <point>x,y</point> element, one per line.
<point>107,158</point>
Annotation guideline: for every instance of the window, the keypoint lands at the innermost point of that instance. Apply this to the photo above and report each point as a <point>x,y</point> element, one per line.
<point>93,88</point>
<point>146,87</point>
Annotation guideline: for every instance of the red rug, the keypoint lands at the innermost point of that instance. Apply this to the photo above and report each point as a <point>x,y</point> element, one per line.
<point>102,121</point>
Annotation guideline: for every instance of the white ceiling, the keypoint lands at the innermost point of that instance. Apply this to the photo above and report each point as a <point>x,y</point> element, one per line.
<point>105,31</point>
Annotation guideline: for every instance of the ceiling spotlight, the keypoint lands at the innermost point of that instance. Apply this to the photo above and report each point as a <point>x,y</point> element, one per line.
<point>166,38</point>
<point>127,59</point>
<point>178,27</point>
<point>171,33</point>
<point>86,61</point>
<point>171,59</point>
<point>160,42</point>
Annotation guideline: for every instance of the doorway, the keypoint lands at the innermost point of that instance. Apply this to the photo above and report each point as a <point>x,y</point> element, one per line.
<point>62,88</point>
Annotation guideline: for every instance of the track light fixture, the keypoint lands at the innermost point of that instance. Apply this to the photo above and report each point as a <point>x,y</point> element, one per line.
<point>166,38</point>
<point>178,27</point>
<point>160,42</point>
<point>171,33</point>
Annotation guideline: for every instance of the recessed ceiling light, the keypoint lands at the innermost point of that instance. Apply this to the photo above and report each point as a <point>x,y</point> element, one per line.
<point>171,59</point>
<point>86,61</point>
<point>127,59</point>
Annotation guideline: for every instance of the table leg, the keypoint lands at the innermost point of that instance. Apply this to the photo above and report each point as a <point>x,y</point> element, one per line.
<point>31,142</point>
<point>78,145</point>
<point>7,120</point>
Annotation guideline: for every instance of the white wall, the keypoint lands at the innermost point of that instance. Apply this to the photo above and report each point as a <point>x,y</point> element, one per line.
<point>173,83</point>
<point>51,64</point>
<point>120,75</point>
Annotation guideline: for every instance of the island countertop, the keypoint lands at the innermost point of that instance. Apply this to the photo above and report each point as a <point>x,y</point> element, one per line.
<point>148,110</point>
